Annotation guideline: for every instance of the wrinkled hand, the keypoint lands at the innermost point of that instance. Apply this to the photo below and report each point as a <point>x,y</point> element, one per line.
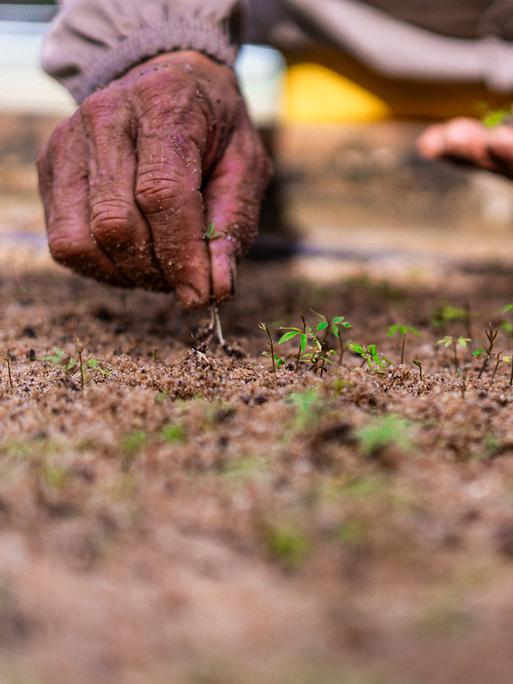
<point>469,141</point>
<point>131,182</point>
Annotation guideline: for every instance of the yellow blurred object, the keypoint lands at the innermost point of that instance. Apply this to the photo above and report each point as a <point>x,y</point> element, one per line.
<point>326,86</point>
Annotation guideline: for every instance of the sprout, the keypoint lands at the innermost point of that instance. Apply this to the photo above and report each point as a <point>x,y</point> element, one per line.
<point>455,343</point>
<point>402,330</point>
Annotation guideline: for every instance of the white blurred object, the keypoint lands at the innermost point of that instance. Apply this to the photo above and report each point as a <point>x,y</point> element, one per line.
<point>25,88</point>
<point>260,71</point>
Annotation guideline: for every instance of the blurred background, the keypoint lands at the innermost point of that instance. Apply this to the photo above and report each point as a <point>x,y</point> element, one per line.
<point>349,183</point>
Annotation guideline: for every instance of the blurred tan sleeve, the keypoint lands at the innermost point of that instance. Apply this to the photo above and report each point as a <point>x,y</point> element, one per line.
<point>92,42</point>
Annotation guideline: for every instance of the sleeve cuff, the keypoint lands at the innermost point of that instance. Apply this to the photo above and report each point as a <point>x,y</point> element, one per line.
<point>207,37</point>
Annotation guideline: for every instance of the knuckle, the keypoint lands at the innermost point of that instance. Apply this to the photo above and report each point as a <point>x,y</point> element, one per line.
<point>99,104</point>
<point>156,194</point>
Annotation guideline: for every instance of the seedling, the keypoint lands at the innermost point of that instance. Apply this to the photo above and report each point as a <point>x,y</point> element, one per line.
<point>210,233</point>
<point>496,117</point>
<point>497,364</point>
<point>214,333</point>
<point>375,361</point>
<point>456,343</point>
<point>174,434</point>
<point>312,348</point>
<point>286,544</point>
<point>277,360</point>
<point>418,363</point>
<point>402,330</point>
<point>335,326</point>
<point>507,326</point>
<point>69,364</point>
<point>491,336</point>
<point>308,407</point>
<point>383,432</point>
<point>131,445</point>
<point>302,334</point>
<point>9,370</point>
<point>80,350</point>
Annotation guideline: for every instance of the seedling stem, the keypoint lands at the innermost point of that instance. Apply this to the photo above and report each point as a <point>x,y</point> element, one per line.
<point>80,349</point>
<point>9,371</point>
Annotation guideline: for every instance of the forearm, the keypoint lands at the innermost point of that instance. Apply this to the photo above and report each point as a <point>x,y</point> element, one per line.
<point>92,42</point>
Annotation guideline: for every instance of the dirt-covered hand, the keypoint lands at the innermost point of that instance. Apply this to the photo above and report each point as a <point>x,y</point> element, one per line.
<point>132,181</point>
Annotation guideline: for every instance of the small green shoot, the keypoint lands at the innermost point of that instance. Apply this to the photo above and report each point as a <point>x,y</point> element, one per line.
<point>507,326</point>
<point>375,361</point>
<point>334,326</point>
<point>456,343</point>
<point>286,545</point>
<point>277,360</point>
<point>496,117</point>
<point>402,330</point>
<point>383,432</point>
<point>313,344</point>
<point>210,233</point>
<point>292,333</point>
<point>308,408</point>
<point>59,357</point>
<point>174,434</point>
<point>131,445</point>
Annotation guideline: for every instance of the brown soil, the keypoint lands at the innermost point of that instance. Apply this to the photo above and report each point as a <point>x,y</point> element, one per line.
<point>181,519</point>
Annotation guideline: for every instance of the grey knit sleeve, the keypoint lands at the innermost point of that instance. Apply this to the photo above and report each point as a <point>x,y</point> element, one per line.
<point>91,42</point>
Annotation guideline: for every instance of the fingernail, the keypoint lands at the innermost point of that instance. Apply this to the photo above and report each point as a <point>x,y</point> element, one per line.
<point>188,297</point>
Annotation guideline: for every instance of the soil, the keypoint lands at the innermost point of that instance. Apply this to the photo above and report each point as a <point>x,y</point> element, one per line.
<point>193,517</point>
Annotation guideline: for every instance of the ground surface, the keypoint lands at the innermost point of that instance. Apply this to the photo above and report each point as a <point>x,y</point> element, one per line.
<point>192,519</point>
<point>183,519</point>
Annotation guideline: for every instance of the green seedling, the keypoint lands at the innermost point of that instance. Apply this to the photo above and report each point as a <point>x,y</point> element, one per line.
<point>313,347</point>
<point>286,545</point>
<point>496,117</point>
<point>402,330</point>
<point>308,408</point>
<point>456,343</point>
<point>276,359</point>
<point>418,363</point>
<point>174,434</point>
<point>131,445</point>
<point>69,364</point>
<point>301,334</point>
<point>9,370</point>
<point>384,432</point>
<point>210,233</point>
<point>375,361</point>
<point>334,326</point>
<point>507,325</point>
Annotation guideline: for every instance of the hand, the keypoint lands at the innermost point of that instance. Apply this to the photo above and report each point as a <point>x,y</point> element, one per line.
<point>131,182</point>
<point>469,141</point>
